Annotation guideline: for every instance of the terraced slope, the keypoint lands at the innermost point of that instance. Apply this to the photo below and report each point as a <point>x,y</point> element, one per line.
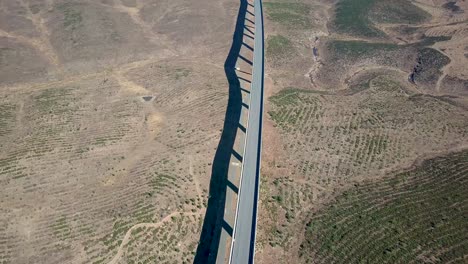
<point>89,164</point>
<point>335,138</point>
<point>416,216</point>
<point>110,114</point>
<point>332,140</point>
<point>357,93</point>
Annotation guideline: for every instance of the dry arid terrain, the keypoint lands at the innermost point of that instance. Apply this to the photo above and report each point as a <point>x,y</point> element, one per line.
<point>110,115</point>
<point>366,132</point>
<point>111,112</point>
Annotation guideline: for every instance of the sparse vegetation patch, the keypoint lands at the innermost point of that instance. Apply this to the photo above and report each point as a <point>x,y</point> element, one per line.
<point>355,114</point>
<point>279,47</point>
<point>356,16</point>
<point>7,118</point>
<point>291,15</point>
<point>352,17</point>
<point>72,17</point>
<point>397,11</point>
<point>413,216</point>
<point>355,49</point>
<point>363,132</point>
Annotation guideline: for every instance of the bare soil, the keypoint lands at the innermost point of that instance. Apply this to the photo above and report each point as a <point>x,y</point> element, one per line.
<point>110,114</point>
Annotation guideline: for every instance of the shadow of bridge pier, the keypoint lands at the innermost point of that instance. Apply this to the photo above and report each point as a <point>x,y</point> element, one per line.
<point>220,183</point>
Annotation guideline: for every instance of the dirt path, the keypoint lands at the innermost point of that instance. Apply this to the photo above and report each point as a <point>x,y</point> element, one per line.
<point>127,236</point>
<point>117,72</point>
<point>42,43</point>
<point>128,85</point>
<point>134,14</point>
<point>441,78</point>
<point>35,43</point>
<point>443,70</point>
<point>342,37</point>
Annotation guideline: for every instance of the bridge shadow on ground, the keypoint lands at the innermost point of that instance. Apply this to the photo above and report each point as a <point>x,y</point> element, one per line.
<point>214,222</point>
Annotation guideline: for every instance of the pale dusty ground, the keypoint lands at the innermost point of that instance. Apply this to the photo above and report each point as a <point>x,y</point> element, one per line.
<point>110,114</point>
